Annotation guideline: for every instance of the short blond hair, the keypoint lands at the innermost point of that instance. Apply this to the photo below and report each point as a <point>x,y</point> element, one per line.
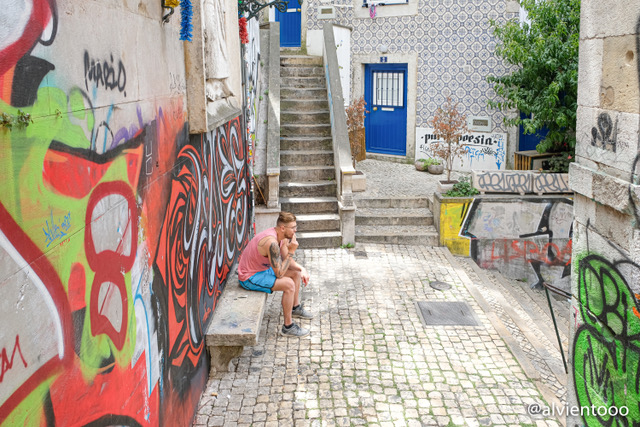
<point>285,218</point>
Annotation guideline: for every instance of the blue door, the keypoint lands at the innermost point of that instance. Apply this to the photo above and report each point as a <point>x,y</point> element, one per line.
<point>531,141</point>
<point>386,97</point>
<point>290,25</point>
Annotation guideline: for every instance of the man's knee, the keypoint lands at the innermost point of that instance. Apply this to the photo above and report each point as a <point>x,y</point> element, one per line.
<point>286,284</point>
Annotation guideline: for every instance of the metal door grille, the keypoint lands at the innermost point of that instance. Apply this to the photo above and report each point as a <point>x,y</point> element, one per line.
<point>388,88</point>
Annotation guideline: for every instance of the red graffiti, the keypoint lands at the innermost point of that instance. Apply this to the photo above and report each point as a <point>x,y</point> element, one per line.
<point>7,363</point>
<point>26,36</point>
<point>42,268</point>
<point>77,172</point>
<point>528,251</point>
<point>635,310</point>
<point>109,309</point>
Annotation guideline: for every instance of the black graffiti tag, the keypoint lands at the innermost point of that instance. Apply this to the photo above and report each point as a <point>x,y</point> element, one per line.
<point>606,134</point>
<point>105,73</point>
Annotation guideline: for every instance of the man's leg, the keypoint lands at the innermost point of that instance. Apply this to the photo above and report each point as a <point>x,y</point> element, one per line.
<point>297,280</point>
<point>289,293</point>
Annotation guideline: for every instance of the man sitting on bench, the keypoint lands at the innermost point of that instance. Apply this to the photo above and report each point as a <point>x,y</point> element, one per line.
<point>266,265</point>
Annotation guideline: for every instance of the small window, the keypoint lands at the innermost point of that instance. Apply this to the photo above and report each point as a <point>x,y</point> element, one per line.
<point>388,88</point>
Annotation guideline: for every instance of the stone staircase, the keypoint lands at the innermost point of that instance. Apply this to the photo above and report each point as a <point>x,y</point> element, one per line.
<point>402,220</point>
<point>307,173</point>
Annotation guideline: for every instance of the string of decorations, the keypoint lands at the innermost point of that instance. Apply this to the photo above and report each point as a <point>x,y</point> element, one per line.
<point>186,15</point>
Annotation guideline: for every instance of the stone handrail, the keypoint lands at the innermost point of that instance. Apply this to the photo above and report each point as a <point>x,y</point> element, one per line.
<point>273,117</point>
<point>341,148</point>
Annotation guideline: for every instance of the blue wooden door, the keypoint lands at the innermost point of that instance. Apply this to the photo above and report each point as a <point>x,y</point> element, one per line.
<point>290,25</point>
<point>386,97</point>
<point>530,141</point>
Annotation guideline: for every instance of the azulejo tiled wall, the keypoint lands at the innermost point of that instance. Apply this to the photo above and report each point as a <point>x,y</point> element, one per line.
<point>452,39</point>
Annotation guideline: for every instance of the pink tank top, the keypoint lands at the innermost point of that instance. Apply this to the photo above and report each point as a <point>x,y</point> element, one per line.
<point>251,262</point>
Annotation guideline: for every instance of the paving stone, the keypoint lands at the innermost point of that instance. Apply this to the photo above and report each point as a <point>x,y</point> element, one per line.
<point>369,359</point>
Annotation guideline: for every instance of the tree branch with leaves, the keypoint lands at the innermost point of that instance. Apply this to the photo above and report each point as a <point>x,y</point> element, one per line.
<point>544,84</point>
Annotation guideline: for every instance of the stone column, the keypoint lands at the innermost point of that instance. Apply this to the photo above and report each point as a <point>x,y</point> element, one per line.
<point>604,355</point>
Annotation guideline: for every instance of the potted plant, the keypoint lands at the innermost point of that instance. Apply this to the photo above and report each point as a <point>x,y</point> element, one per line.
<point>434,166</point>
<point>448,126</point>
<point>355,126</point>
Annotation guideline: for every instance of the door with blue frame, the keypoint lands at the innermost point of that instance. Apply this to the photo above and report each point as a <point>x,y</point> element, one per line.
<point>386,97</point>
<point>530,141</point>
<point>290,25</point>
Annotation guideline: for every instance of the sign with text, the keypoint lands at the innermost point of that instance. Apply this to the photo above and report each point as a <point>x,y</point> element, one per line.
<point>486,151</point>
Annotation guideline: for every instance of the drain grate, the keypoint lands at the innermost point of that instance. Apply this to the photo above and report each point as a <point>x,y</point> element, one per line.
<point>360,254</point>
<point>456,313</point>
<point>440,286</point>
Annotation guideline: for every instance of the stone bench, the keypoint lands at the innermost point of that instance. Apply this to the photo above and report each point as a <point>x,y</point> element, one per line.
<point>235,324</point>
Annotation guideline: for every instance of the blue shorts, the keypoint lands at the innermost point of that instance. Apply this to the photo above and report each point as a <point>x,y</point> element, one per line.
<point>262,281</point>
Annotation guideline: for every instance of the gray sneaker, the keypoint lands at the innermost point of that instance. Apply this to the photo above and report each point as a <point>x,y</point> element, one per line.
<point>294,331</point>
<point>301,313</point>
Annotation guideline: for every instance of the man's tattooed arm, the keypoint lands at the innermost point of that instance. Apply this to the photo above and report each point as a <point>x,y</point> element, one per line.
<point>279,265</point>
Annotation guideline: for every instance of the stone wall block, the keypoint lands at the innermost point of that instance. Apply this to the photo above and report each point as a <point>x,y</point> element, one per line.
<point>619,87</point>
<point>607,137</point>
<point>589,78</point>
<point>600,19</point>
<point>580,180</point>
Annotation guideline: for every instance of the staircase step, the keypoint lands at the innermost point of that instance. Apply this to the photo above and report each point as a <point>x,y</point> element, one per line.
<point>305,130</point>
<point>306,60</point>
<point>304,105</point>
<point>319,239</point>
<point>394,216</point>
<point>397,234</point>
<point>307,173</point>
<point>305,117</point>
<point>318,222</point>
<point>302,71</point>
<point>310,158</point>
<point>303,82</point>
<point>309,205</point>
<point>396,202</point>
<point>302,143</point>
<point>308,189</point>
<point>303,93</point>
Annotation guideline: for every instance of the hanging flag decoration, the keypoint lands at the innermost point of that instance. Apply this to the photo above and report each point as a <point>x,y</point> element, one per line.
<point>372,11</point>
<point>186,13</point>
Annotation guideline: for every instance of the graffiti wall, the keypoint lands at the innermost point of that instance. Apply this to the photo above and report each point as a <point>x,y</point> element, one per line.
<point>525,238</point>
<point>485,151</point>
<point>117,228</point>
<point>605,352</point>
<point>606,340</point>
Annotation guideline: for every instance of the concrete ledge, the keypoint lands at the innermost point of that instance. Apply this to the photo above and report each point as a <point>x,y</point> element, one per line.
<point>235,323</point>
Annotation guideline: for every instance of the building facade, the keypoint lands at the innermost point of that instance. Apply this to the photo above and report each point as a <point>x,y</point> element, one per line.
<point>427,50</point>
<point>122,211</point>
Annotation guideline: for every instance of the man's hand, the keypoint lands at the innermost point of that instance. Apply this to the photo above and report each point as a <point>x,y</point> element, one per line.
<point>304,275</point>
<point>292,245</point>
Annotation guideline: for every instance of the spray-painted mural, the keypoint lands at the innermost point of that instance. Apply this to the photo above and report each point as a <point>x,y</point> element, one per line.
<point>525,238</point>
<point>485,151</point>
<point>606,346</point>
<point>117,232</point>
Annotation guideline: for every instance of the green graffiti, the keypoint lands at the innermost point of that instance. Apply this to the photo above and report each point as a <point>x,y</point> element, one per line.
<point>606,347</point>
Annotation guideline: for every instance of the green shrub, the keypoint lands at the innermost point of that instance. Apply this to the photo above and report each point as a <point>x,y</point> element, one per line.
<point>462,189</point>
<point>430,161</point>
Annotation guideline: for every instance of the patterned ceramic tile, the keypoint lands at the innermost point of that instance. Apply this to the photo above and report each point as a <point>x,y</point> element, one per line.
<point>452,39</point>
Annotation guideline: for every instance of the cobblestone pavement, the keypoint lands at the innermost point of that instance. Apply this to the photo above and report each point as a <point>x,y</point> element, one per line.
<point>369,360</point>
<point>388,180</point>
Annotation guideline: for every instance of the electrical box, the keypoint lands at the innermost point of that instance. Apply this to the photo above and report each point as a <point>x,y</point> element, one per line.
<point>479,123</point>
<point>326,12</point>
